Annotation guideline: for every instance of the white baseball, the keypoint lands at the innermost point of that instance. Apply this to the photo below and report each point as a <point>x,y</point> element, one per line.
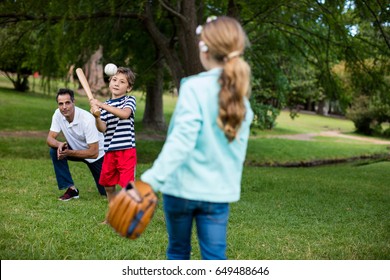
<point>110,69</point>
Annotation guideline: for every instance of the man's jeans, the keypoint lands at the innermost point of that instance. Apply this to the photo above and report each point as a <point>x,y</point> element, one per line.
<point>211,224</point>
<point>63,176</point>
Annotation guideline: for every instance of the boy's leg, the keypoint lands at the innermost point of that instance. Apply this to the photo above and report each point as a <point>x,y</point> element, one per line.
<point>109,176</point>
<point>127,162</point>
<point>110,191</point>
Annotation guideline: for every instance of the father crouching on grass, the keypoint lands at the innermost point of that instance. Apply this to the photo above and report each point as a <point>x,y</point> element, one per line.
<point>83,143</point>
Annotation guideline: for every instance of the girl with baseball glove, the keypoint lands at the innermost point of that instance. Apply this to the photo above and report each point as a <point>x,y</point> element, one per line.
<point>200,166</point>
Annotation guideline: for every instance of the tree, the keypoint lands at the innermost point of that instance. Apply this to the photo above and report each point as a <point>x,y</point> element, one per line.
<point>15,59</point>
<point>295,45</point>
<point>171,28</point>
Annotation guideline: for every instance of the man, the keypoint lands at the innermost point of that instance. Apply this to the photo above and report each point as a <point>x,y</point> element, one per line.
<point>83,143</point>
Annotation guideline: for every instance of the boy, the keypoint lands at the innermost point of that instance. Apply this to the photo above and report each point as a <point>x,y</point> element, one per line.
<point>117,123</point>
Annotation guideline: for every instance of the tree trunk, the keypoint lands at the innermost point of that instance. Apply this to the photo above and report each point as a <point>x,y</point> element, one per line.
<point>153,118</point>
<point>320,107</point>
<point>187,38</point>
<point>21,83</point>
<point>185,61</point>
<point>93,70</point>
<point>180,63</point>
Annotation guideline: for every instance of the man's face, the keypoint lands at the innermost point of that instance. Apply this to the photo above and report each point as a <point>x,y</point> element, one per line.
<point>66,106</point>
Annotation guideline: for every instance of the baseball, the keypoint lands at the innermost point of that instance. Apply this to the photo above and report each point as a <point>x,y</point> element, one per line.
<point>110,69</point>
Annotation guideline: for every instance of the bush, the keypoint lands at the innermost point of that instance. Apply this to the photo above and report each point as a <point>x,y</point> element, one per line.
<point>368,115</point>
<point>265,116</point>
<point>360,114</point>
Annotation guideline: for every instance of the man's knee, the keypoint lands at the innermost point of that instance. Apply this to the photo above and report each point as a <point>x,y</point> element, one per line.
<point>53,153</point>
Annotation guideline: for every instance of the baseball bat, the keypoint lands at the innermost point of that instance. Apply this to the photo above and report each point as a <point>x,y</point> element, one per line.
<point>84,83</point>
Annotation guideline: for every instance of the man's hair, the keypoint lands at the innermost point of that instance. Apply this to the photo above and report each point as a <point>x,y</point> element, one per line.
<point>63,91</point>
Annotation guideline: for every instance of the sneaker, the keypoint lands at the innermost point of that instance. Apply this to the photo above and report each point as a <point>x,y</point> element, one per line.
<point>69,194</point>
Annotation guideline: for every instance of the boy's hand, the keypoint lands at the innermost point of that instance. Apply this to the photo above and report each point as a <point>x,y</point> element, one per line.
<point>95,111</point>
<point>95,105</point>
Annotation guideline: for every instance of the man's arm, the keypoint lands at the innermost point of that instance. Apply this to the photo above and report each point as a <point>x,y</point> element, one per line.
<point>91,152</point>
<point>63,151</point>
<point>52,140</point>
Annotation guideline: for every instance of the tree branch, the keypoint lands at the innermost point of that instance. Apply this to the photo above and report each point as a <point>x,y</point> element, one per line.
<point>15,17</point>
<point>172,11</point>
<point>379,24</point>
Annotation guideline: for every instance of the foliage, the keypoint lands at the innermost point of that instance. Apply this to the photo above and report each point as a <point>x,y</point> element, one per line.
<point>301,42</point>
<point>369,114</point>
<point>15,47</point>
<point>295,45</point>
<point>264,114</point>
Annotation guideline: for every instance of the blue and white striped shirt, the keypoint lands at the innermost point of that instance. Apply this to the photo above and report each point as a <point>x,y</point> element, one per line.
<point>119,134</point>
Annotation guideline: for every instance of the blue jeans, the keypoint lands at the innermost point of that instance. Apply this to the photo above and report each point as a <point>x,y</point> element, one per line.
<point>63,176</point>
<point>211,225</point>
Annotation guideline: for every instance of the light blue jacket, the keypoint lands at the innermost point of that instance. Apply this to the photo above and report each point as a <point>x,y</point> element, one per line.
<point>197,162</point>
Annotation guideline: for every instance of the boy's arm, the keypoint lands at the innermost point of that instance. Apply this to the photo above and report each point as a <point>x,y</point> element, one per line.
<point>100,125</point>
<point>124,113</point>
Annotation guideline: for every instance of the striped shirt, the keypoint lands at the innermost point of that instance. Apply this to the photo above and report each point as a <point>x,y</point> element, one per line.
<point>119,134</point>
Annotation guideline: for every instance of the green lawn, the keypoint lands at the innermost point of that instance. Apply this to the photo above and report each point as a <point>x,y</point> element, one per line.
<point>337,212</point>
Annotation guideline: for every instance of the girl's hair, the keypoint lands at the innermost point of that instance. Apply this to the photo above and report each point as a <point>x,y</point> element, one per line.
<point>226,40</point>
<point>130,76</point>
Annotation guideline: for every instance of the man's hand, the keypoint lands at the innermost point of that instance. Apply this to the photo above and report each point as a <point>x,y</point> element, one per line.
<point>62,150</point>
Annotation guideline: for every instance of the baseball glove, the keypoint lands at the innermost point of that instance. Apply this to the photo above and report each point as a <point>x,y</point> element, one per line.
<point>131,210</point>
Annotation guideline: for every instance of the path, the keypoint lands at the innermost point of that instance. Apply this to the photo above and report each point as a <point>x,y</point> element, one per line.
<point>310,136</point>
<point>43,134</point>
<point>144,136</point>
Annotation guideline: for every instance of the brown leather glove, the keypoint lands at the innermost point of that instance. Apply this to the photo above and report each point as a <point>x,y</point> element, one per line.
<point>131,210</point>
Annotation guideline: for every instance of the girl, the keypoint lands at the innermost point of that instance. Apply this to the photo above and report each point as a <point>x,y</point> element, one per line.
<point>200,166</point>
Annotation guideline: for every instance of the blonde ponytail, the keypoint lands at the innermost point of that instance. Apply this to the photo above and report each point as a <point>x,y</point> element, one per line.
<point>234,82</point>
<point>226,40</point>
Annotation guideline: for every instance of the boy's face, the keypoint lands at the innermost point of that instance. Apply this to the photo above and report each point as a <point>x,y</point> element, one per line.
<point>119,85</point>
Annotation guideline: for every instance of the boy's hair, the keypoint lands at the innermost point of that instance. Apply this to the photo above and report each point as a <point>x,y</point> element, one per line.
<point>226,41</point>
<point>128,73</point>
<point>63,91</point>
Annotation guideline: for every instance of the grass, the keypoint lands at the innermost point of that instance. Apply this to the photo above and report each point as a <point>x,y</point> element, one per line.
<point>337,212</point>
<point>315,213</point>
<point>309,123</point>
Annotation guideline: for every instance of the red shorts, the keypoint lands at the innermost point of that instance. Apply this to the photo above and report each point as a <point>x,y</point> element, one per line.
<point>118,168</point>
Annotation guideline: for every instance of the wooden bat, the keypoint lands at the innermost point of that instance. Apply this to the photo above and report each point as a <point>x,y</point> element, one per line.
<point>84,83</point>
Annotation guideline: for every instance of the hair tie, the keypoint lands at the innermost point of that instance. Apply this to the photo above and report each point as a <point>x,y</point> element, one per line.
<point>199,29</point>
<point>203,47</point>
<point>232,55</point>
